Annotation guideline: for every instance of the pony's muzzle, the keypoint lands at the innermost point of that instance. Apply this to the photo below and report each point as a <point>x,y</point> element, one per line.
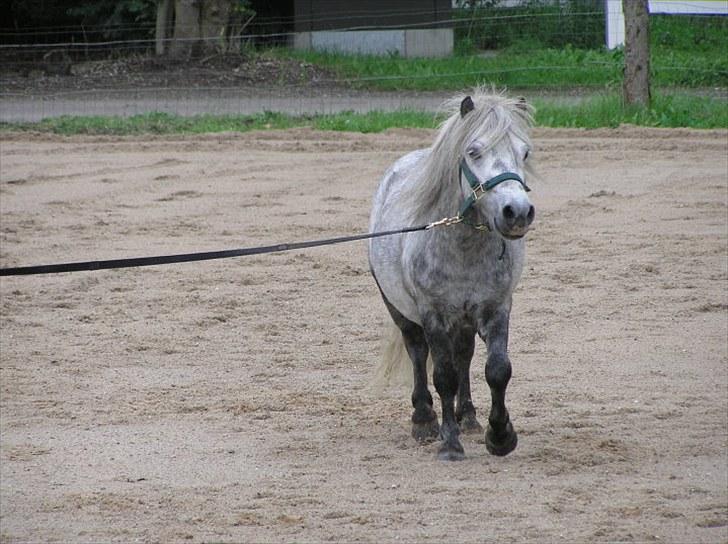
<point>516,218</point>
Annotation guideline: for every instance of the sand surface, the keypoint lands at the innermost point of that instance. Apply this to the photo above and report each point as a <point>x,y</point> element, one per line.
<point>229,401</point>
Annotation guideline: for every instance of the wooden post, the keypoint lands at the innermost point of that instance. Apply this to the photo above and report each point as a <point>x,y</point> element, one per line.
<point>636,84</point>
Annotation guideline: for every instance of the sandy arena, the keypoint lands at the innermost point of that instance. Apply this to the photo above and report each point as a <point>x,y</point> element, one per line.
<point>230,401</point>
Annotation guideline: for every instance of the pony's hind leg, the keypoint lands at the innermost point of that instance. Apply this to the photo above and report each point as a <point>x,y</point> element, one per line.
<point>424,419</point>
<point>446,383</point>
<point>465,411</point>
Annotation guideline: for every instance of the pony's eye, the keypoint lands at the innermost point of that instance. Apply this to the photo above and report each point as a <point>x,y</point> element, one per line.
<point>525,155</point>
<point>474,151</point>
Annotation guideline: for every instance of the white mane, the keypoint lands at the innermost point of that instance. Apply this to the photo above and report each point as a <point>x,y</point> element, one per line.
<point>494,117</point>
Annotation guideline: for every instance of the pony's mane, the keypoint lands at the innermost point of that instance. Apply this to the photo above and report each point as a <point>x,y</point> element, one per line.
<point>494,117</point>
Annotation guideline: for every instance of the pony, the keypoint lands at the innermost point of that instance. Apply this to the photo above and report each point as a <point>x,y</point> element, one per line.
<point>444,285</point>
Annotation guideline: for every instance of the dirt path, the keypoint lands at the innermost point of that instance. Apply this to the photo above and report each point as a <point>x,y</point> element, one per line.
<point>229,401</point>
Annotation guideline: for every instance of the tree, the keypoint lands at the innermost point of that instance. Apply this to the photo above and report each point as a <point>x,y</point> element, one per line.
<point>162,31</point>
<point>187,28</point>
<point>636,83</point>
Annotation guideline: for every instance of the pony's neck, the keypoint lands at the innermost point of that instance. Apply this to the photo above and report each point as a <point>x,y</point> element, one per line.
<point>438,194</point>
<point>449,198</point>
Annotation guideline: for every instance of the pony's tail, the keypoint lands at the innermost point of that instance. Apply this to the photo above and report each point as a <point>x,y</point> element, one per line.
<point>394,368</point>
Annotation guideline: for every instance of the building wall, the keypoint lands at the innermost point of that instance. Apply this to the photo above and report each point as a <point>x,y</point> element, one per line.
<point>410,28</point>
<point>315,15</point>
<point>418,42</point>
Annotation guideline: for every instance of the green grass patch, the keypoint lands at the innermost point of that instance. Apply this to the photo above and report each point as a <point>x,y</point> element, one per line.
<point>513,68</point>
<point>516,68</point>
<point>374,121</point>
<point>600,111</point>
<point>165,123</point>
<point>156,123</point>
<point>690,33</point>
<point>686,51</point>
<point>609,111</point>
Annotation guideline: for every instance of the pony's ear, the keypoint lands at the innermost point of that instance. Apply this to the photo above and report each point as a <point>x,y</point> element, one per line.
<point>522,105</point>
<point>466,106</point>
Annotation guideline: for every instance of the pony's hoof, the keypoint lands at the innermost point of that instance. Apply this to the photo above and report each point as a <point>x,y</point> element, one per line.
<point>451,453</point>
<point>503,443</point>
<point>426,432</point>
<point>470,425</point>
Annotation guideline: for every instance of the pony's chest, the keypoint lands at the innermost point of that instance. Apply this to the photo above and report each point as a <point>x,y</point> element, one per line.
<point>460,279</point>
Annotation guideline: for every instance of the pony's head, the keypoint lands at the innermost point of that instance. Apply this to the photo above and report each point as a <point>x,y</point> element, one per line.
<point>480,158</point>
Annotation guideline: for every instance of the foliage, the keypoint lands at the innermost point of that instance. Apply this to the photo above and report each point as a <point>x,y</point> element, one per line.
<point>693,49</point>
<point>488,25</point>
<point>128,19</point>
<point>76,20</point>
<point>689,33</point>
<point>100,20</point>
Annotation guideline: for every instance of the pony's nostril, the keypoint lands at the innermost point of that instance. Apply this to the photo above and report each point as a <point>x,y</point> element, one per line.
<point>508,213</point>
<point>518,216</point>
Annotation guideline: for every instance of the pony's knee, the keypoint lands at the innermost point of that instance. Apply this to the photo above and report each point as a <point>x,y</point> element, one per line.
<point>498,371</point>
<point>446,380</point>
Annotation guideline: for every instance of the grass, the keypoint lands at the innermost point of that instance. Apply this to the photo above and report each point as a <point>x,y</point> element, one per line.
<point>544,68</point>
<point>155,123</point>
<point>516,67</point>
<point>165,123</point>
<point>672,111</point>
<point>601,111</point>
<point>687,51</point>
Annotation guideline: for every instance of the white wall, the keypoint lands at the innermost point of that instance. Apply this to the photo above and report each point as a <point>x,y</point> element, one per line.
<point>615,17</point>
<point>416,42</point>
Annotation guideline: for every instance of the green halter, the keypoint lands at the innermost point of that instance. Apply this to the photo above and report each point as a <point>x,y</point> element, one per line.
<point>480,188</point>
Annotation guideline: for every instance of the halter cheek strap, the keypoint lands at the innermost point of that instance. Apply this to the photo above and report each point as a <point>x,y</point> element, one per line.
<point>480,188</point>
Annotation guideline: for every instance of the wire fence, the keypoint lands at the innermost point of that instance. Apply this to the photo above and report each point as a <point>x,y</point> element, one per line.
<point>116,69</point>
<point>486,28</point>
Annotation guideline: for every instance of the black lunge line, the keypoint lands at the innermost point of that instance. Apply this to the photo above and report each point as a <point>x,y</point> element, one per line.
<point>202,256</point>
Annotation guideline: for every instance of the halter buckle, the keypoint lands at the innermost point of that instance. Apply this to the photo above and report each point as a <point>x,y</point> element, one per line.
<point>478,191</point>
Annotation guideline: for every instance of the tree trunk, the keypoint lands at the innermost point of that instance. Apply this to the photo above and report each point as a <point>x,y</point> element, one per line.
<point>199,26</point>
<point>214,21</point>
<point>186,28</point>
<point>163,31</point>
<point>636,85</point>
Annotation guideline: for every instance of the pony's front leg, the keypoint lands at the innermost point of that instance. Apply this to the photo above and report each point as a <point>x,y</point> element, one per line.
<point>445,377</point>
<point>500,438</point>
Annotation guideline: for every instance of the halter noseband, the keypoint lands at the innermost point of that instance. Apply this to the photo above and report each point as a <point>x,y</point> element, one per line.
<point>480,188</point>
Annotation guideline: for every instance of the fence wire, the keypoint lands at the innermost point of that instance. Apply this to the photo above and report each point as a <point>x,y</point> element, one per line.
<point>101,70</point>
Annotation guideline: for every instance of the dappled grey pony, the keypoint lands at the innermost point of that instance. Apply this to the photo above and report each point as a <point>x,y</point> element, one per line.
<point>444,285</point>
